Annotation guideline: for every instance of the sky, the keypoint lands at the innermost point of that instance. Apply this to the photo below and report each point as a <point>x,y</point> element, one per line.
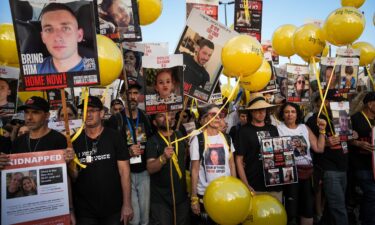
<point>169,26</point>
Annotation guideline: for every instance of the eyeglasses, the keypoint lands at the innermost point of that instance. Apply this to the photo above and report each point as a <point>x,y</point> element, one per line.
<point>301,82</point>
<point>212,114</point>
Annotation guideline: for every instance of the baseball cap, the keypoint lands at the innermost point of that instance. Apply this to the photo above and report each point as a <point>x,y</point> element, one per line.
<point>93,101</point>
<point>35,102</point>
<point>369,97</point>
<point>116,102</point>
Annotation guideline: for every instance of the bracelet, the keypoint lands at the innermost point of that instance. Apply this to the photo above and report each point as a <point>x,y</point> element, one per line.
<point>194,200</point>
<point>161,160</point>
<point>322,132</point>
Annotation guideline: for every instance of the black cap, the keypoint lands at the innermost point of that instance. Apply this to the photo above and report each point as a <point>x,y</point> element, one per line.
<point>369,97</point>
<point>116,102</point>
<point>93,102</point>
<point>35,102</point>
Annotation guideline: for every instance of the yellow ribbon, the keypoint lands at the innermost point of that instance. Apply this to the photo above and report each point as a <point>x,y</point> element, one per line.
<point>174,156</point>
<point>247,11</point>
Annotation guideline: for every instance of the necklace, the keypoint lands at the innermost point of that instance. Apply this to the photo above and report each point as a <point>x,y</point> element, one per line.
<point>29,141</point>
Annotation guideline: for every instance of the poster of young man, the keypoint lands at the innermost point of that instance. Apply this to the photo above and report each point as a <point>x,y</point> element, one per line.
<point>278,161</point>
<point>208,7</point>
<point>201,43</point>
<point>163,83</point>
<point>341,120</point>
<point>58,49</point>
<point>348,63</point>
<point>298,83</point>
<point>326,71</point>
<point>9,77</point>
<point>119,20</point>
<point>35,189</point>
<point>251,25</point>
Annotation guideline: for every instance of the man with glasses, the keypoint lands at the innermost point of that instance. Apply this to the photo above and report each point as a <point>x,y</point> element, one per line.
<point>102,189</point>
<point>202,173</point>
<point>248,159</point>
<point>299,87</point>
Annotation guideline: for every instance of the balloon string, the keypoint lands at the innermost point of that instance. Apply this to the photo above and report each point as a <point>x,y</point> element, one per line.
<point>247,11</point>
<point>212,119</point>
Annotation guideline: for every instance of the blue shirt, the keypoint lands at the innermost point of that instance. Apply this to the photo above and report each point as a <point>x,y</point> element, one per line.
<point>48,67</point>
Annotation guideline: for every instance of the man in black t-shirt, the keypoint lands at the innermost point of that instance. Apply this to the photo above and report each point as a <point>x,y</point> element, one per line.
<point>234,131</point>
<point>102,189</point>
<point>333,163</point>
<point>360,157</point>
<point>161,158</point>
<point>248,157</point>
<point>195,73</point>
<point>136,130</point>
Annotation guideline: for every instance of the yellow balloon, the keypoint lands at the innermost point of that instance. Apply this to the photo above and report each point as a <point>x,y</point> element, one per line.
<point>149,11</point>
<point>266,210</point>
<point>308,40</point>
<point>317,59</point>
<point>343,26</point>
<point>353,3</point>
<point>227,200</point>
<point>24,95</point>
<point>367,52</point>
<point>8,46</point>
<point>325,51</point>
<point>242,55</point>
<point>282,40</point>
<point>227,73</point>
<point>110,60</point>
<point>258,80</point>
<point>227,89</point>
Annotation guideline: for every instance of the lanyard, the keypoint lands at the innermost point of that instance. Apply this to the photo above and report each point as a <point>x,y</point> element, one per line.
<point>367,119</point>
<point>130,127</point>
<point>174,156</point>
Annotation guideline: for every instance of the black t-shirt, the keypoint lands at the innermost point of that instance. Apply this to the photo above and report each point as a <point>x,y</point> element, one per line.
<point>53,140</point>
<point>333,158</point>
<point>5,144</point>
<point>97,190</point>
<point>359,158</point>
<point>249,148</point>
<point>194,73</point>
<point>160,181</point>
<point>143,133</point>
<point>234,133</point>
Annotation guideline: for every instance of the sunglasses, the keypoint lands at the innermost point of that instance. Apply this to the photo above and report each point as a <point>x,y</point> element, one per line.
<point>301,82</point>
<point>212,114</point>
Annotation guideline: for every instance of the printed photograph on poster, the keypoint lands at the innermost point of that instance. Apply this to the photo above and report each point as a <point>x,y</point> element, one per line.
<point>215,156</point>
<point>348,65</point>
<point>326,71</point>
<point>251,25</point>
<point>269,53</point>
<point>208,7</point>
<point>278,158</point>
<point>271,86</point>
<point>201,43</point>
<point>341,120</point>
<point>298,83</point>
<point>119,20</point>
<point>163,83</point>
<point>35,182</point>
<point>55,100</point>
<point>21,184</point>
<point>9,77</point>
<point>282,85</point>
<point>52,56</point>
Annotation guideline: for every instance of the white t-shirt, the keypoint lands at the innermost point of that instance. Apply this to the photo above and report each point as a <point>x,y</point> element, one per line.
<point>301,130</point>
<point>215,160</point>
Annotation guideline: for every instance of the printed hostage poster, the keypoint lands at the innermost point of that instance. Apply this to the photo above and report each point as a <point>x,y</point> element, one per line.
<point>208,7</point>
<point>119,20</point>
<point>55,100</point>
<point>163,83</point>
<point>201,43</point>
<point>341,120</point>
<point>278,161</point>
<point>269,53</point>
<point>9,77</point>
<point>251,25</point>
<point>56,43</point>
<point>34,189</point>
<point>326,71</point>
<point>348,64</point>
<point>298,83</point>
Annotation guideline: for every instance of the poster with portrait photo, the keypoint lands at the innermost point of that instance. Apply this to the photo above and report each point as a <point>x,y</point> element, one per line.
<point>208,7</point>
<point>298,83</point>
<point>277,155</point>
<point>288,175</point>
<point>163,83</point>
<point>341,120</point>
<point>56,43</point>
<point>119,20</point>
<point>9,77</point>
<point>201,43</point>
<point>214,157</point>
<point>348,67</point>
<point>36,190</point>
<point>269,52</point>
<point>55,100</point>
<point>326,71</point>
<point>251,25</point>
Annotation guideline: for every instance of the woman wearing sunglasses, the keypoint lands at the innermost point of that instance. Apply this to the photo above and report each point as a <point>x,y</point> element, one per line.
<point>299,86</point>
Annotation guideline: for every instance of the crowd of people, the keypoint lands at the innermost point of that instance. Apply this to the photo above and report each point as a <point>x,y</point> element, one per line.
<point>136,167</point>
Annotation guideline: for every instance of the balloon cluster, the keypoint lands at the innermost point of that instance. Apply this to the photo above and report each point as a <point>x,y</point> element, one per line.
<point>228,201</point>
